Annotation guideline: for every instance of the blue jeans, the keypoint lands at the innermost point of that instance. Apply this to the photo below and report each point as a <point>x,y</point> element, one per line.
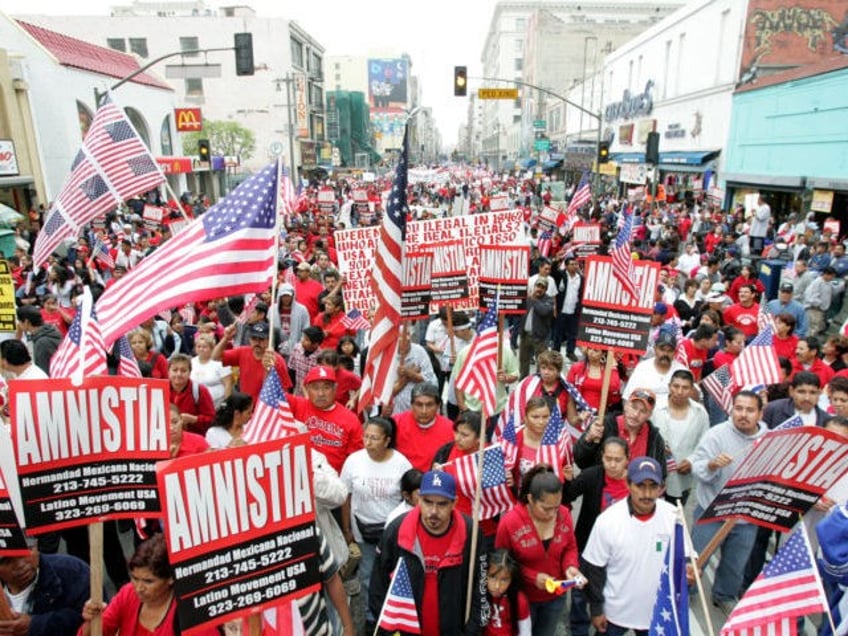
<point>366,566</point>
<point>579,616</point>
<point>618,630</point>
<point>545,616</point>
<point>735,550</point>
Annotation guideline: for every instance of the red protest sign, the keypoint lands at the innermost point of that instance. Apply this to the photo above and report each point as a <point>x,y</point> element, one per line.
<point>505,266</point>
<point>417,291</point>
<point>240,529</point>
<point>88,453</point>
<point>449,277</point>
<point>12,539</point>
<point>781,478</point>
<point>586,239</point>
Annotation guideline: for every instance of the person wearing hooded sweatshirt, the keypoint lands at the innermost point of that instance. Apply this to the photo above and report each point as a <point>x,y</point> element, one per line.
<point>45,337</point>
<point>290,318</point>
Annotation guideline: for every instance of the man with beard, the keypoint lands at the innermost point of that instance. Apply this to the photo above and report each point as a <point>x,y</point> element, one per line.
<point>253,360</point>
<point>655,372</point>
<point>718,455</point>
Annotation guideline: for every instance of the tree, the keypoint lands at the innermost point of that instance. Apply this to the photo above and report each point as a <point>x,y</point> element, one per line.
<point>226,138</point>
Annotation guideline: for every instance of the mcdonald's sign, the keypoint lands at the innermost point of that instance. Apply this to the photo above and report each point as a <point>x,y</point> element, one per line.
<point>188,119</point>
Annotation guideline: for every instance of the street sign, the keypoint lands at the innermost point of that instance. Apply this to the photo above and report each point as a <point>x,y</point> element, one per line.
<point>497,93</point>
<point>542,145</point>
<point>539,124</point>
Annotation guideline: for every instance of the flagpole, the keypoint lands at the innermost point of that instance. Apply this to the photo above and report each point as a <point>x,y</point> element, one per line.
<point>815,569</point>
<point>277,200</point>
<point>475,514</point>
<point>697,572</point>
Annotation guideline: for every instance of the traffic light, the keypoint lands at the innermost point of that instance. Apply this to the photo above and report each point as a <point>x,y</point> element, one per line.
<point>203,151</point>
<point>244,53</point>
<point>460,81</point>
<point>652,148</point>
<point>603,152</point>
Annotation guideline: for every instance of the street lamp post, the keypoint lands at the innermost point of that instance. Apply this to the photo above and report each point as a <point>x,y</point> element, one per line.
<point>289,80</point>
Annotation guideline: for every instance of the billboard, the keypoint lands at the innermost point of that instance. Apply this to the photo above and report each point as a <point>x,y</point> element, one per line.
<point>387,84</point>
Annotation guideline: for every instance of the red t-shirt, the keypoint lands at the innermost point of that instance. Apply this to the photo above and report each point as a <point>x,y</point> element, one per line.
<point>744,318</point>
<point>336,432</point>
<point>251,371</point>
<point>432,549</point>
<point>639,446</point>
<point>419,445</point>
<point>192,444</point>
<point>333,330</point>
<point>55,318</point>
<point>695,358</point>
<point>306,293</point>
<point>501,621</point>
<point>723,357</point>
<point>590,388</point>
<point>346,381</point>
<point>785,346</point>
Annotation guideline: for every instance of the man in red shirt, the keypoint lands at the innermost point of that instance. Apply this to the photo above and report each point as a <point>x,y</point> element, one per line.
<point>252,360</point>
<point>692,352</point>
<point>807,359</point>
<point>334,429</point>
<point>307,289</point>
<point>422,430</point>
<point>743,315</point>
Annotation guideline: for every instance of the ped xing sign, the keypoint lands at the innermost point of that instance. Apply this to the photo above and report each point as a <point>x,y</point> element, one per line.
<point>497,93</point>
<point>188,119</point>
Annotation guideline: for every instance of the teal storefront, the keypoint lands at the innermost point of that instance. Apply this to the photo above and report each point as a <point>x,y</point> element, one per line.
<point>788,140</point>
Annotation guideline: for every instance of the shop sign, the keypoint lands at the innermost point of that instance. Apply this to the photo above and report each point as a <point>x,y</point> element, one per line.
<point>8,158</point>
<point>631,106</point>
<point>308,156</point>
<point>636,173</point>
<point>625,135</point>
<point>822,201</point>
<point>301,108</point>
<point>174,165</point>
<point>644,127</point>
<point>675,131</point>
<point>608,169</point>
<point>188,119</point>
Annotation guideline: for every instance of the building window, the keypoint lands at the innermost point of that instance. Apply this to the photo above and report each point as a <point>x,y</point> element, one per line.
<point>139,46</point>
<point>519,64</point>
<point>117,44</point>
<point>519,46</point>
<point>315,65</point>
<point>190,43</point>
<point>517,103</point>
<point>194,88</point>
<point>338,66</point>
<point>520,24</point>
<point>667,68</point>
<point>297,53</point>
<point>338,77</point>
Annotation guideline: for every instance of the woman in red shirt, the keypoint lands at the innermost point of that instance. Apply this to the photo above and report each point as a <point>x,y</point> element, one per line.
<point>330,321</point>
<point>734,342</point>
<point>747,276</point>
<point>540,535</point>
<point>785,340</point>
<point>141,343</point>
<point>588,375</point>
<point>529,444</point>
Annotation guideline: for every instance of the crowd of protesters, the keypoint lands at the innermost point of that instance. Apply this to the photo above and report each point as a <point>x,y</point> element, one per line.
<point>662,440</point>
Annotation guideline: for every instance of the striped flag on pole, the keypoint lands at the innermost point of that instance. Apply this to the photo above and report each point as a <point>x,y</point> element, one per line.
<point>387,277</point>
<point>479,375</point>
<point>622,261</point>
<point>582,195</point>
<point>495,495</point>
<point>758,363</point>
<point>82,353</point>
<point>272,416</point>
<point>719,384</point>
<point>127,364</point>
<point>555,447</point>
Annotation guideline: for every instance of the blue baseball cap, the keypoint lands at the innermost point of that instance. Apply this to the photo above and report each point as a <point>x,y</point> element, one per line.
<point>436,482</point>
<point>644,469</point>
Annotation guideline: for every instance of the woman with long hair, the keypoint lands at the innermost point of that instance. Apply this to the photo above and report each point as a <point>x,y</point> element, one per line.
<point>230,417</point>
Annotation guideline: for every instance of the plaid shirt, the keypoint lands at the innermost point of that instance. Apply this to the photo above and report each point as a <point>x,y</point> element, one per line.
<point>300,362</point>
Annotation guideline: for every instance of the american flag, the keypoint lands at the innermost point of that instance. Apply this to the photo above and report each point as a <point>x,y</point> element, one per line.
<point>555,447</point>
<point>670,461</point>
<point>622,261</point>
<point>387,278</point>
<point>509,443</point>
<point>399,613</point>
<point>671,609</point>
<point>516,402</point>
<point>103,255</point>
<point>793,422</point>
<point>288,197</point>
<point>545,243</point>
<point>495,495</point>
<point>249,306</point>
<point>227,251</point>
<point>82,353</point>
<point>112,165</point>
<point>479,374</point>
<point>355,320</point>
<point>788,587</point>
<point>582,195</point>
<point>127,364</point>
<point>757,364</point>
<point>764,318</point>
<point>272,416</point>
<point>719,384</point>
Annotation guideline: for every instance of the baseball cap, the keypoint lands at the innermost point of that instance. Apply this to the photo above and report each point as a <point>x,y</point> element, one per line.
<point>320,374</point>
<point>542,281</point>
<point>665,339</point>
<point>644,395</point>
<point>786,287</point>
<point>717,288</point>
<point>644,469</point>
<point>436,482</point>
<point>258,330</point>
<point>304,265</point>
<point>286,288</point>
<point>661,308</point>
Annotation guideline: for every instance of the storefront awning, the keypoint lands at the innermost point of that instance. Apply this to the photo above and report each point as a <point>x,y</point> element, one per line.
<point>773,181</point>
<point>628,157</point>
<point>551,165</point>
<point>688,158</point>
<point>528,163</point>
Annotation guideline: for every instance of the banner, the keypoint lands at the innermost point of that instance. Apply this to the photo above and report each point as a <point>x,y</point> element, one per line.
<point>449,280</point>
<point>301,106</point>
<point>586,239</point>
<point>7,298</point>
<point>12,539</point>
<point>355,248</point>
<point>505,266</point>
<point>240,529</point>
<point>88,453</point>
<point>416,292</point>
<point>610,318</point>
<point>781,478</point>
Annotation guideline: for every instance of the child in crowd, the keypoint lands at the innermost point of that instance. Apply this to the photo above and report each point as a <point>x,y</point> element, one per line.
<point>509,610</point>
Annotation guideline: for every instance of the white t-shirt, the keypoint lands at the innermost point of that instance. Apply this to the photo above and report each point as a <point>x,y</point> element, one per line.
<point>210,374</point>
<point>218,437</point>
<point>374,486</point>
<point>633,552</point>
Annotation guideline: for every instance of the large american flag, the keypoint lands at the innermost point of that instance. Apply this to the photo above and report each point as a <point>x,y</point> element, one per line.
<point>582,195</point>
<point>81,354</point>
<point>112,165</point>
<point>226,252</point>
<point>787,588</point>
<point>495,495</point>
<point>272,416</point>
<point>555,447</point>
<point>758,363</point>
<point>671,608</point>
<point>387,277</point>
<point>479,374</point>
<point>719,384</point>
<point>622,261</point>
<point>399,613</point>
<point>127,364</point>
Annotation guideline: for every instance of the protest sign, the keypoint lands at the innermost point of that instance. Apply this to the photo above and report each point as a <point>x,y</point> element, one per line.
<point>611,318</point>
<point>781,478</point>
<point>449,280</point>
<point>586,239</point>
<point>499,203</point>
<point>12,539</point>
<point>360,195</point>
<point>504,266</point>
<point>7,298</point>
<point>152,216</point>
<point>87,453</point>
<point>355,248</point>
<point>417,290</point>
<point>240,529</point>
<point>550,218</point>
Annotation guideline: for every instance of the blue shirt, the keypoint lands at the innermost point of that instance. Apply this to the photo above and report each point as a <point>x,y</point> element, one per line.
<point>793,307</point>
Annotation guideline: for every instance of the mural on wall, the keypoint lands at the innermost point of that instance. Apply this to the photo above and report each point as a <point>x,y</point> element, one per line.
<point>387,85</point>
<point>780,34</point>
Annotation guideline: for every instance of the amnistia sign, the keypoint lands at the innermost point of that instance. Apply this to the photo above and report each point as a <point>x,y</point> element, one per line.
<point>631,106</point>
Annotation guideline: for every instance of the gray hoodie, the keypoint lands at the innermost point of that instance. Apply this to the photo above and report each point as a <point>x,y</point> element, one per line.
<point>298,320</point>
<point>45,341</point>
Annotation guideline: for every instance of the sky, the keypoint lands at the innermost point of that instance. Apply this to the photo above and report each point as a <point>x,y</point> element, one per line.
<point>437,34</point>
